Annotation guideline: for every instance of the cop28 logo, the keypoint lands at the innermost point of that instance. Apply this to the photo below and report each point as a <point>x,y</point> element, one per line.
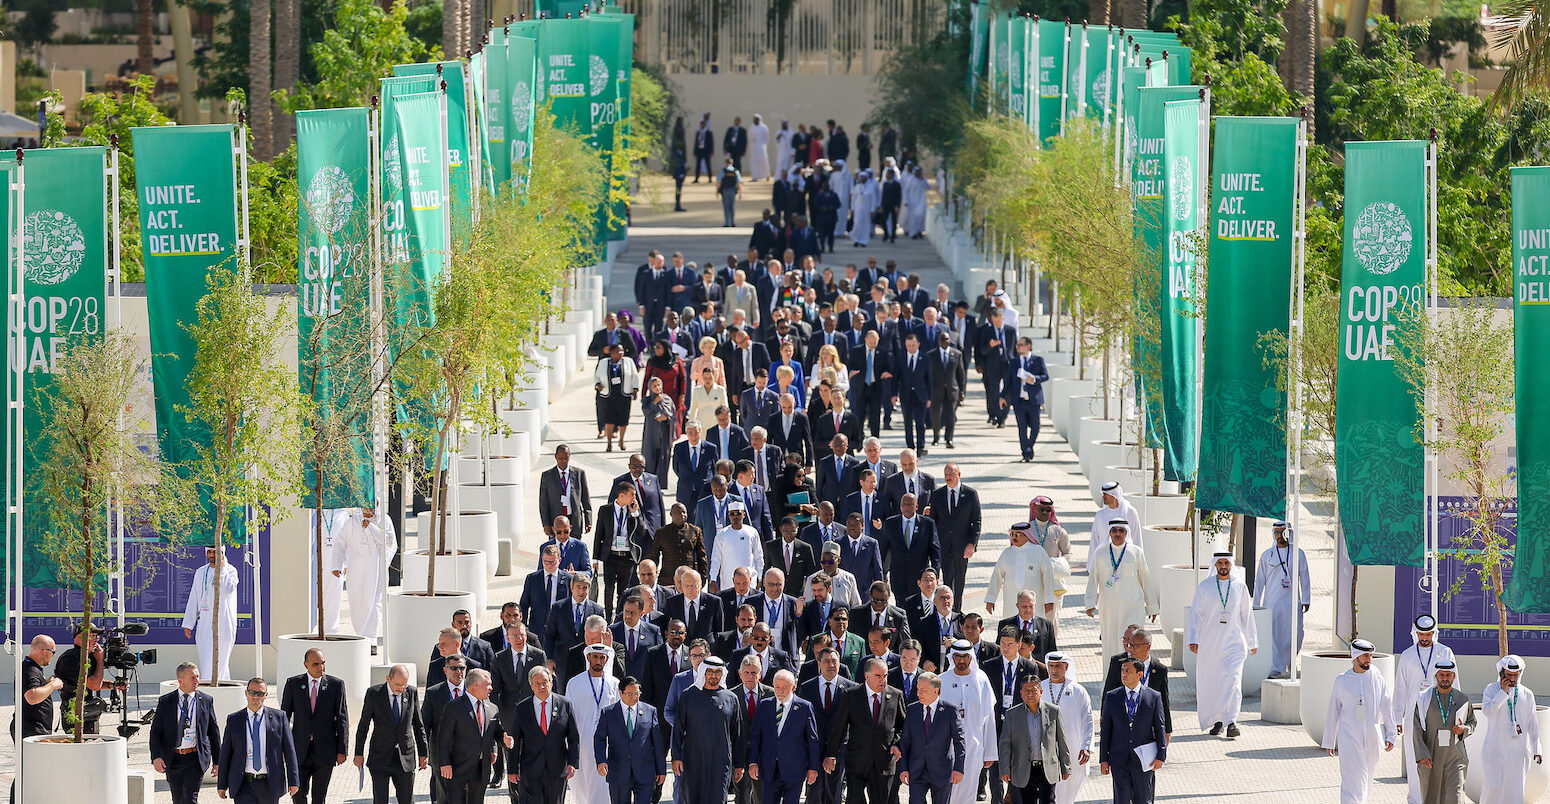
<point>1181,187</point>
<point>1100,89</point>
<point>522,105</point>
<point>597,73</point>
<point>330,198</point>
<point>1381,237</point>
<point>393,164</point>
<point>54,245</point>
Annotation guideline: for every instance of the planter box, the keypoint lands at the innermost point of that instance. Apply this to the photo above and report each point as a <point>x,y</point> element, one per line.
<point>1168,546</point>
<point>503,468</point>
<point>1057,396</point>
<point>1058,370</point>
<point>527,427</point>
<point>505,500</point>
<point>464,572</point>
<point>95,771</point>
<point>1106,452</point>
<point>1162,510</point>
<point>1079,405</point>
<point>1176,591</point>
<point>1318,671</point>
<point>414,620</point>
<point>348,656</point>
<point>1255,668</point>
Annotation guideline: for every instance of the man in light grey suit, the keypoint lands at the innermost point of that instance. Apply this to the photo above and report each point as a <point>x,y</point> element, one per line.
<point>1029,765</point>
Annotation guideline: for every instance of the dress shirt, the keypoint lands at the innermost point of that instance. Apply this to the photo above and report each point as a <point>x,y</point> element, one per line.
<point>255,762</point>
<point>186,710</point>
<point>1035,727</point>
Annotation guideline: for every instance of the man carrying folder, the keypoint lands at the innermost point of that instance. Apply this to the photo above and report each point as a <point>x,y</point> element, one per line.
<point>1132,744</point>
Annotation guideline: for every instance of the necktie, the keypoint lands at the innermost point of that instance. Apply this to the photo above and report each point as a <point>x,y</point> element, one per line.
<point>759,465</point>
<point>1006,679</point>
<point>543,716</point>
<point>780,716</point>
<point>909,483</point>
<point>184,716</point>
<point>877,620</point>
<point>869,367</point>
<point>632,643</point>
<point>549,585</point>
<point>673,659</point>
<point>877,708</point>
<point>909,684</point>
<point>255,727</point>
<point>457,693</point>
<point>751,704</point>
<point>928,722</point>
<point>912,363</point>
<point>788,557</point>
<point>629,721</point>
<point>313,694</point>
<point>952,500</point>
<point>694,612</point>
<point>944,360</point>
<point>909,531</point>
<point>479,715</point>
<point>866,512</point>
<point>577,615</point>
<point>397,710</point>
<point>828,695</point>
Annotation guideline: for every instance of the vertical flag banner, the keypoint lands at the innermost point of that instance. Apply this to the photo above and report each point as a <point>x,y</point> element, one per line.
<point>395,218</point>
<point>187,183</point>
<point>1181,216</point>
<point>522,83</point>
<point>979,27</point>
<point>415,162</point>
<point>1378,455</point>
<point>459,159</point>
<point>568,72</point>
<point>557,9</point>
<point>1529,587</point>
<point>1019,70</point>
<point>1253,225</point>
<point>1000,60</point>
<point>497,89</point>
<point>1076,66</point>
<point>478,67</point>
<point>1051,77</point>
<point>333,152</point>
<point>1132,79</point>
<point>608,79</point>
<point>10,200</point>
<point>66,251</point>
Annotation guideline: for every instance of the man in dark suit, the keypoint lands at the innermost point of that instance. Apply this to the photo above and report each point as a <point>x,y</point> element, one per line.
<point>706,291</point>
<point>757,405</point>
<point>1027,619</point>
<point>741,593</point>
<point>1023,392</point>
<point>828,335</point>
<point>865,501</point>
<point>912,387</point>
<point>743,358</point>
<point>320,724</point>
<point>877,613</point>
<point>867,380</point>
<point>749,691</point>
<point>629,746</point>
<point>543,588</point>
<point>963,328</point>
<point>908,479</point>
<point>784,753</point>
<point>663,661</point>
<point>390,715</point>
<point>735,142</point>
<point>511,613</point>
<point>184,735</point>
<point>565,621</point>
<point>699,611</point>
<point>771,659</point>
<point>909,545</point>
<point>955,507</point>
<point>859,554</point>
<point>508,676</point>
<point>868,722</point>
<point>792,556</point>
<point>824,692</point>
<point>939,627</point>
<point>764,238</point>
<point>547,743</point>
<point>268,771</point>
<point>931,745</point>
<point>756,502</point>
<point>1132,716</point>
<point>652,286</point>
<point>610,336</point>
<point>766,458</point>
<point>694,460</point>
<point>993,353</point>
<point>469,645</point>
<point>833,469</point>
<point>446,652</point>
<point>466,739</point>
<point>619,544</point>
<point>905,676</point>
<point>949,383</point>
<point>711,513</point>
<point>730,439</point>
<point>648,493</point>
<point>437,698</point>
<point>871,459</point>
<point>562,491</point>
<point>1154,674</point>
<point>636,635</point>
<point>791,431</point>
<point>1006,673</point>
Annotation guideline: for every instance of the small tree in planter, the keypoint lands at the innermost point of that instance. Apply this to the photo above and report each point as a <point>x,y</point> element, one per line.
<point>1459,363</point>
<point>89,457</point>
<point>244,403</point>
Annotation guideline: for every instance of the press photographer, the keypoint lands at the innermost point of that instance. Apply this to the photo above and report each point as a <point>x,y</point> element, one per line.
<point>100,657</point>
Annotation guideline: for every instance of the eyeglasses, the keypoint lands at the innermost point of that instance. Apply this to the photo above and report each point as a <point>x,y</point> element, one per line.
<point>699,655</point>
<point>562,532</point>
<point>455,668</point>
<point>257,693</point>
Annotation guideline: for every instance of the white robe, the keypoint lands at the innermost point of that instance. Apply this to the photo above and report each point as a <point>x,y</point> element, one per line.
<point>197,614</point>
<point>1224,647</point>
<point>862,205</point>
<point>783,152</point>
<point>840,182</point>
<point>1505,758</point>
<point>915,204</point>
<point>367,551</point>
<point>333,585</point>
<point>1414,674</point>
<point>1360,720</point>
<point>1076,717</point>
<point>759,150</point>
<point>1122,595</point>
<point>975,698</point>
<point>1274,591</point>
<point>1019,569</point>
<point>1125,511</point>
<point>736,547</point>
<point>582,691</point>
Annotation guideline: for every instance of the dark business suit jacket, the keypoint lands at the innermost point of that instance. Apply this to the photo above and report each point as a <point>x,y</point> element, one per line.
<point>799,440</point>
<point>867,746</point>
<point>693,477</point>
<point>647,636</point>
<point>803,561</point>
<point>995,671</point>
<point>737,440</point>
<point>928,630</point>
<point>319,734</point>
<point>167,730</point>
<point>906,562</point>
<point>959,527</point>
<point>813,620</point>
<point>549,497</point>
<point>809,671</point>
<point>774,461</point>
<point>395,747</point>
<point>437,697</point>
<point>862,558</point>
<point>910,687</point>
<point>561,632</point>
<point>912,387</point>
<point>659,674</point>
<point>1011,389</point>
<point>884,470</point>
<point>599,345</point>
<point>699,293</point>
<point>931,759</point>
<point>820,339</point>
<point>437,673</point>
<point>648,492</point>
<point>632,759</point>
<point>546,754</point>
<point>1156,678</point>
<point>893,617</point>
<point>637,536</point>
<point>995,356</point>
<point>776,661</point>
<point>462,744</point>
<point>279,754</point>
<point>1043,633</point>
<point>880,510</point>
<point>509,685</point>
<point>1118,735</point>
<point>825,427</point>
<point>895,487</point>
<point>709,621</point>
<point>756,408</point>
<point>730,603</point>
<point>758,515</point>
<point>787,754</point>
<point>949,383</point>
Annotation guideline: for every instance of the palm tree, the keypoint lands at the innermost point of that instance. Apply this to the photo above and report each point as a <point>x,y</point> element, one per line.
<point>1302,42</point>
<point>145,60</point>
<point>287,65</point>
<point>1526,35</point>
<point>260,107</point>
<point>452,12</point>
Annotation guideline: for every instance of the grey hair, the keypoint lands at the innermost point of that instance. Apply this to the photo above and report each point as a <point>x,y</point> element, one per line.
<point>928,677</point>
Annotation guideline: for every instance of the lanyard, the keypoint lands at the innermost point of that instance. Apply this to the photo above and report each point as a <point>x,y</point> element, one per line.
<point>1426,666</point>
<point>1116,561</point>
<point>1512,706</point>
<point>598,691</point>
<point>1043,533</point>
<point>1285,569</point>
<point>1223,594</point>
<point>1064,685</point>
<point>1444,707</point>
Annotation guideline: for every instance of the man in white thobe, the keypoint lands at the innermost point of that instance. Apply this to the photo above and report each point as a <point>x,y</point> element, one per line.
<point>1273,590</point>
<point>840,182</point>
<point>1512,741</point>
<point>368,543</point>
<point>200,609</point>
<point>1119,586</point>
<point>967,688</point>
<point>915,187</point>
<point>1360,721</point>
<point>1024,566</point>
<point>333,572</point>
<point>1223,636</point>
<point>1076,716</point>
<point>1414,674</point>
<point>589,693</point>
<point>783,152</point>
<point>759,148</point>
<point>737,545</point>
<point>1115,506</point>
<point>861,207</point>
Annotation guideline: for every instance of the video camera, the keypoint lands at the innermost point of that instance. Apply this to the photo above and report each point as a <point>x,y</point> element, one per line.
<point>115,647</point>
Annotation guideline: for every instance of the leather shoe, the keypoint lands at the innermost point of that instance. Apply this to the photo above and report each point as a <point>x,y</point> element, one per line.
<point>1232,730</point>
<point>1216,728</point>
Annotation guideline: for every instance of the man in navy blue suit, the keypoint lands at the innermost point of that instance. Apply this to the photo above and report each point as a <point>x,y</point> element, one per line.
<point>1024,394</point>
<point>992,355</point>
<point>710,512</point>
<point>867,376</point>
<point>932,744</point>
<point>832,470</point>
<point>912,387</point>
<point>1132,717</point>
<point>636,635</point>
<point>628,742</point>
<point>693,462</point>
<point>258,759</point>
<point>859,554</point>
<point>543,589</point>
<point>648,492</point>
<point>755,500</point>
<point>184,720</point>
<point>866,501</point>
<point>784,752</point>
<point>652,286</point>
<point>910,545</point>
<point>564,627</point>
<point>758,402</point>
<point>730,439</point>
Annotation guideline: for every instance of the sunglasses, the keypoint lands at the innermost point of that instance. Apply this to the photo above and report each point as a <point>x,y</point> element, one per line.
<point>563,532</point>
<point>257,693</point>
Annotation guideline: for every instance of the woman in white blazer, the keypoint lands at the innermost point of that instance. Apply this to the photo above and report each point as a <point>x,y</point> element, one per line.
<point>617,382</point>
<point>705,397</point>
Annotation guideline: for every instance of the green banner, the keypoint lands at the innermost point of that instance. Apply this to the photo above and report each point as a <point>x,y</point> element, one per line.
<point>1378,455</point>
<point>66,252</point>
<point>608,84</point>
<point>395,219</point>
<point>415,185</point>
<point>1020,70</point>
<point>1052,78</point>
<point>1529,587</point>
<point>459,160</point>
<point>1000,60</point>
<point>9,197</point>
<point>1253,226</point>
<point>1099,87</point>
<point>333,152</point>
<point>1185,192</point>
<point>559,9</point>
<point>1132,79</point>
<point>478,70</point>
<point>187,185</point>
<point>521,77</point>
<point>979,27</point>
<point>565,56</point>
<point>497,88</point>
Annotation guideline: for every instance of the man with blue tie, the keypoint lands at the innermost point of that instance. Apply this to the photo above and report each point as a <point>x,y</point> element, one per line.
<point>784,754</point>
<point>629,746</point>
<point>758,403</point>
<point>543,588</point>
<point>573,552</point>
<point>867,381</point>
<point>564,627</point>
<point>730,439</point>
<point>184,736</point>
<point>931,746</point>
<point>694,461</point>
<point>1132,719</point>
<point>872,507</point>
<point>859,553</point>
<point>258,759</point>
<point>833,469</point>
<point>1024,394</point>
<point>710,513</point>
<point>910,545</point>
<point>992,357</point>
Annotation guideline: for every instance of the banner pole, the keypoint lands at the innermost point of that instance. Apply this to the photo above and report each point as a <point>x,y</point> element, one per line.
<point>1433,428</point>
<point>111,279</point>
<point>240,153</point>
<point>1294,369</point>
<point>17,186</point>
<point>1202,227</point>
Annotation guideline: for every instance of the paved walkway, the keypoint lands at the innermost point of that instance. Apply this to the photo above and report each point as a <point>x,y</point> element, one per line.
<point>1269,764</point>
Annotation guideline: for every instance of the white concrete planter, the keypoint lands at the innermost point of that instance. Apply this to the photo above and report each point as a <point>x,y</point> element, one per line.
<point>1057,395</point>
<point>1166,546</point>
<point>1077,406</point>
<point>1175,591</point>
<point>1255,668</point>
<point>94,771</point>
<point>1108,452</point>
<point>520,446</point>
<point>464,572</point>
<point>348,657</point>
<point>1093,427</point>
<point>229,696</point>
<point>505,500</point>
<point>1056,365</point>
<point>536,398</point>
<point>1130,479</point>
<point>527,425</point>
<point>1538,779</point>
<point>503,468</point>
<point>580,334</point>
<point>1165,509</point>
<point>1317,673</point>
<point>413,621</point>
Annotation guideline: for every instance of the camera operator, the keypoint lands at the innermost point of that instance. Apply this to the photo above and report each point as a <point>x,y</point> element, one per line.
<point>67,669</point>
